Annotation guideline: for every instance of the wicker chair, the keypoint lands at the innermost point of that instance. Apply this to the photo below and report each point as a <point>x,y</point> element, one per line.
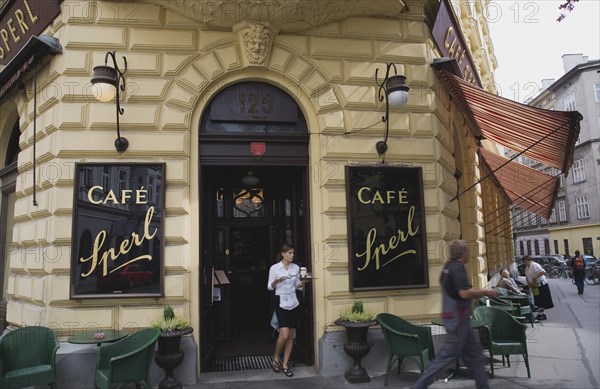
<point>502,335</point>
<point>405,339</point>
<point>127,360</point>
<point>27,358</point>
<point>520,300</point>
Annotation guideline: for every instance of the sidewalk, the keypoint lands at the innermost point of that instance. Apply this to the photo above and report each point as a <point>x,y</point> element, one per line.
<point>564,352</point>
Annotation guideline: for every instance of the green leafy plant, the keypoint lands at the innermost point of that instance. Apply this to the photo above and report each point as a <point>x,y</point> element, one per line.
<point>356,313</point>
<point>169,321</point>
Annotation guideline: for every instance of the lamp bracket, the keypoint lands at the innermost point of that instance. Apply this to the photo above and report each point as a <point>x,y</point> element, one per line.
<point>121,144</point>
<point>381,146</point>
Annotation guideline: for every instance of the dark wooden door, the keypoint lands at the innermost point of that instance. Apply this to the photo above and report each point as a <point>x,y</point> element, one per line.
<point>253,154</point>
<point>244,226</point>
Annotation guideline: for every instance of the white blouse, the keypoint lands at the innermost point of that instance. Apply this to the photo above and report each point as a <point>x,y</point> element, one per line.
<point>286,289</point>
<point>532,270</point>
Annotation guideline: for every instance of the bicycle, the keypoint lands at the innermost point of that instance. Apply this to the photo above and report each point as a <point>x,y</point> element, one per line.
<point>552,271</point>
<point>592,274</point>
<point>564,271</point>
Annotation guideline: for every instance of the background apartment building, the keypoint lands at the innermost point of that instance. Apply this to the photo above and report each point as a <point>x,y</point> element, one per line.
<point>575,221</point>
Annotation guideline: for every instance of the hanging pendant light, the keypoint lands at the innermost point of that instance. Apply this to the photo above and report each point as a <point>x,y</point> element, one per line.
<point>250,179</point>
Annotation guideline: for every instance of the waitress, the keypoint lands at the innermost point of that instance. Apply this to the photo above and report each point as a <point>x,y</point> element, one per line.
<point>284,279</point>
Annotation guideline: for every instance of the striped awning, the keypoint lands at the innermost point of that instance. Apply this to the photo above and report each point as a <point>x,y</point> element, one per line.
<point>546,136</point>
<point>527,188</point>
<point>31,54</point>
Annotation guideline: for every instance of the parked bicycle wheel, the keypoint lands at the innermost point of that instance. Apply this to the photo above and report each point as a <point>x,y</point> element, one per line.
<point>590,275</point>
<point>552,272</point>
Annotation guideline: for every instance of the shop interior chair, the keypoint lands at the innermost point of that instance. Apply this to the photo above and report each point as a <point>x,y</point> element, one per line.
<point>27,357</point>
<point>127,360</point>
<point>405,339</point>
<point>502,335</point>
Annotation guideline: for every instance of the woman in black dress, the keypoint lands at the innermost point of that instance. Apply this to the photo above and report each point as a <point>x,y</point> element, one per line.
<point>284,279</point>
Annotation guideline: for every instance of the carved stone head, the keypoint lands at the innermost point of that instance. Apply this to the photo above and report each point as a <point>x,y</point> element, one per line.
<point>256,40</point>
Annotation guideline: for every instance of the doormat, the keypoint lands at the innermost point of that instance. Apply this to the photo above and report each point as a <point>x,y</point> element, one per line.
<point>251,362</point>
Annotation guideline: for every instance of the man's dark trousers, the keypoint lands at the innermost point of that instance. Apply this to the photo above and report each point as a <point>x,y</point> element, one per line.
<point>461,342</point>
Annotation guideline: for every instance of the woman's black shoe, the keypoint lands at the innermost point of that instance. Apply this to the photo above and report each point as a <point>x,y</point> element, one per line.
<point>275,366</point>
<point>287,371</point>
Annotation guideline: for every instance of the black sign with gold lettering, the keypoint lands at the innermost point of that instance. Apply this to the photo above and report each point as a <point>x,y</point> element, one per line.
<point>118,234</point>
<point>22,19</point>
<point>387,244</point>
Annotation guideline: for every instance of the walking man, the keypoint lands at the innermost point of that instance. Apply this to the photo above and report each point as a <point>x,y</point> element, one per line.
<point>578,271</point>
<point>461,341</point>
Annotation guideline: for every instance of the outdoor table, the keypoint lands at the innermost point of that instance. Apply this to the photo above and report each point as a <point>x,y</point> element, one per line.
<point>89,336</point>
<point>440,322</point>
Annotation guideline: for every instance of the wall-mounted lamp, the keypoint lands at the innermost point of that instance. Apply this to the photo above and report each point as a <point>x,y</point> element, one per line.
<point>394,90</point>
<point>107,81</point>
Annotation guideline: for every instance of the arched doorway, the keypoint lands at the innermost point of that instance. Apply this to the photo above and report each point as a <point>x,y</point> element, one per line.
<point>8,181</point>
<point>253,156</point>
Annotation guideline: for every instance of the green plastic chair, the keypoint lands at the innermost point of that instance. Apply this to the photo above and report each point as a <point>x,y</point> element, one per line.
<point>502,335</point>
<point>519,300</point>
<point>405,339</point>
<point>127,360</point>
<point>27,358</point>
<point>505,305</point>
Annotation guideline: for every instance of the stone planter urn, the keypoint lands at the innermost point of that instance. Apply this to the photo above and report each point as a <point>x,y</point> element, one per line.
<point>169,355</point>
<point>356,347</point>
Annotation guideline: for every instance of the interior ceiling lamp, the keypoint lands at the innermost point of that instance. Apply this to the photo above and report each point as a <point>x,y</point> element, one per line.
<point>107,81</point>
<point>250,179</point>
<point>394,90</point>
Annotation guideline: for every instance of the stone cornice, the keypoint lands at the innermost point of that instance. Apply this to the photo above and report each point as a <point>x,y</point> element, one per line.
<point>286,15</point>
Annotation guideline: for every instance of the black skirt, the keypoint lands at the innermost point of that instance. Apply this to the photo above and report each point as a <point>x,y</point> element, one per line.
<point>544,297</point>
<point>286,318</point>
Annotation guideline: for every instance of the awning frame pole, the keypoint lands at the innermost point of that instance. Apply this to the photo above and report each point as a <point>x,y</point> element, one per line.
<point>35,203</point>
<point>511,224</point>
<point>506,163</point>
<point>532,192</point>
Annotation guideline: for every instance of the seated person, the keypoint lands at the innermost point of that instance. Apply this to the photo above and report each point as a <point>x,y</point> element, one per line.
<point>507,282</point>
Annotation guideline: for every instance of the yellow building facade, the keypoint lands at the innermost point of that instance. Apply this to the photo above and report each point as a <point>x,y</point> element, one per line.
<point>180,56</point>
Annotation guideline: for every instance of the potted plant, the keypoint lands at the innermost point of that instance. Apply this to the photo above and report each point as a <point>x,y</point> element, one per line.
<point>357,322</point>
<point>169,354</point>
